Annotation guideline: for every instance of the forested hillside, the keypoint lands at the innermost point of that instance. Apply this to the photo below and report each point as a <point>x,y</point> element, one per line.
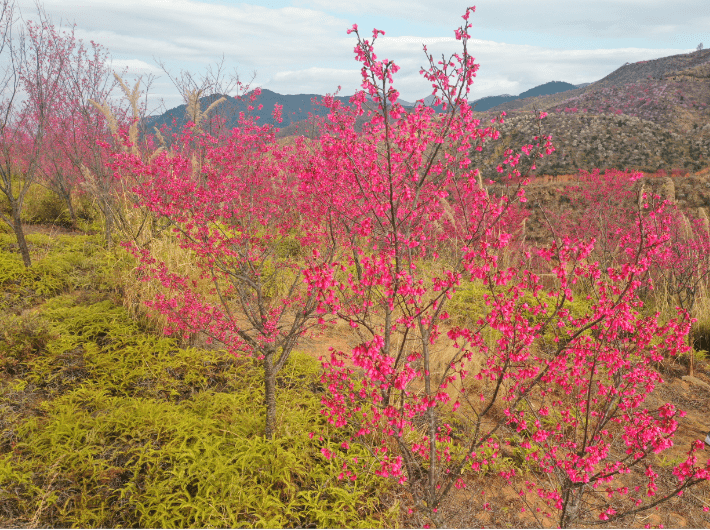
<point>647,116</point>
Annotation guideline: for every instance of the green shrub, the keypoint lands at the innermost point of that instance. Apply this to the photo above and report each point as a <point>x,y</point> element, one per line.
<point>43,206</point>
<point>132,430</point>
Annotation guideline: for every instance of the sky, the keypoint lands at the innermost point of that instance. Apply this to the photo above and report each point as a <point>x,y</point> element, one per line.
<point>302,46</point>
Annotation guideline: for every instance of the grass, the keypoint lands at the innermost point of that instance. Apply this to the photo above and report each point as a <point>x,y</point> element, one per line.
<point>105,423</point>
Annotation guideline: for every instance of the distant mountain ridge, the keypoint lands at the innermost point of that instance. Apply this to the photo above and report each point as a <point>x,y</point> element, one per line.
<point>650,116</point>
<point>655,68</point>
<point>297,106</point>
<point>553,87</point>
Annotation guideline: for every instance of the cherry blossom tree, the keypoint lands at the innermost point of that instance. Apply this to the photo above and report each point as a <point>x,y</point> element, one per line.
<point>31,84</point>
<point>436,401</point>
<point>238,214</point>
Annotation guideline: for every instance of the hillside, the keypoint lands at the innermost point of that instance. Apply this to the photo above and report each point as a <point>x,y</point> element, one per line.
<point>599,141</point>
<point>660,121</point>
<point>658,69</point>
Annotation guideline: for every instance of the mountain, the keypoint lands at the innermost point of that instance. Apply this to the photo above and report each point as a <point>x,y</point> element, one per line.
<point>488,102</point>
<point>653,69</point>
<point>626,75</point>
<point>648,116</point>
<point>295,112</point>
<point>296,107</point>
<point>553,87</point>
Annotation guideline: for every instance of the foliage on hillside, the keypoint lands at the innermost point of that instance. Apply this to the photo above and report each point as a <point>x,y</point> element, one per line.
<point>606,141</point>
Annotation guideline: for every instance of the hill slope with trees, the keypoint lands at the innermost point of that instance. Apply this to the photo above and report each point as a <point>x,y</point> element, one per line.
<point>649,116</point>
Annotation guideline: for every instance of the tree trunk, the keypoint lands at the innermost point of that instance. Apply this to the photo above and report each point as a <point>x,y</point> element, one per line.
<point>572,501</point>
<point>20,234</point>
<point>108,218</point>
<point>270,395</point>
<point>72,212</point>
<point>691,365</point>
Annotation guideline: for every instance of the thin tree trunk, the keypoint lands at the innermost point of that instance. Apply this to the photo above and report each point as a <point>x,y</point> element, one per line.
<point>270,395</point>
<point>691,365</point>
<point>564,516</point>
<point>108,218</point>
<point>432,476</point>
<point>72,212</point>
<point>20,234</point>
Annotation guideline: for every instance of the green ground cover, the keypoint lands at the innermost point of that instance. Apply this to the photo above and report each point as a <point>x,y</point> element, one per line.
<point>105,423</point>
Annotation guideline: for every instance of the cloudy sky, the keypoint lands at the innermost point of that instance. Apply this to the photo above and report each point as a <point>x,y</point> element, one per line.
<point>301,46</point>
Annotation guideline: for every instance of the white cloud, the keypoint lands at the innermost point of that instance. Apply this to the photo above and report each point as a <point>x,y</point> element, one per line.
<point>134,67</point>
<point>301,46</point>
<point>582,19</point>
<point>312,80</point>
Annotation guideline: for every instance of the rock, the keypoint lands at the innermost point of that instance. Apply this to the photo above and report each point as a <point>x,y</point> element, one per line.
<point>695,381</point>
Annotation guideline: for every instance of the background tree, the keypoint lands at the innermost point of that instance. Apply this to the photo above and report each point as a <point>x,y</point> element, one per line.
<point>681,273</point>
<point>113,193</point>
<point>76,127</point>
<point>216,85</point>
<point>31,86</point>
